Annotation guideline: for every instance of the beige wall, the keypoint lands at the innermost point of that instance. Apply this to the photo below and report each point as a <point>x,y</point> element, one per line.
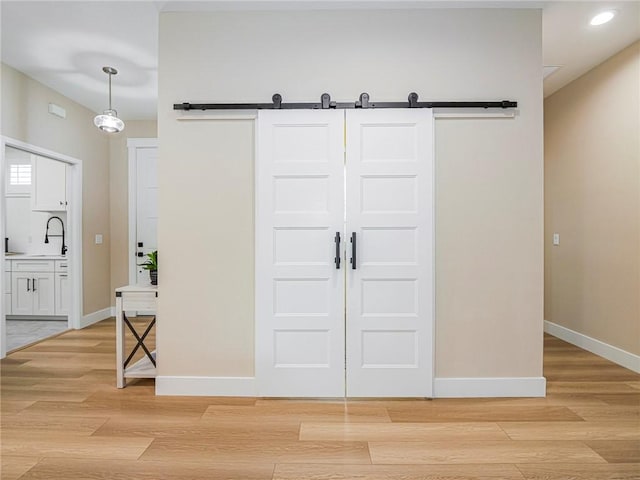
<point>489,176</point>
<point>205,243</point>
<point>25,117</point>
<point>119,197</point>
<point>592,199</point>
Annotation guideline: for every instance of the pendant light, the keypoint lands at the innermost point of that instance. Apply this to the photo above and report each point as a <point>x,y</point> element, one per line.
<point>109,121</point>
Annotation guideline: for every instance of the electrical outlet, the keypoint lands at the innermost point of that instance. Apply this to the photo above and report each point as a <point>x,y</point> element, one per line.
<point>556,239</point>
<point>98,239</point>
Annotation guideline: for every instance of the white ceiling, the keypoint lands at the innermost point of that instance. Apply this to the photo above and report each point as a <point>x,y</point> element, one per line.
<point>569,40</point>
<point>65,44</point>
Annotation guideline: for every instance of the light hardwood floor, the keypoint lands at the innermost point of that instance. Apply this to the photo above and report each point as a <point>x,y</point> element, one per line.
<point>63,418</point>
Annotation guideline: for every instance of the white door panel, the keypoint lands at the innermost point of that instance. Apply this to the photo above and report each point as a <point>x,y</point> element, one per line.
<point>389,325</point>
<point>299,291</point>
<point>306,335</point>
<point>146,206</point>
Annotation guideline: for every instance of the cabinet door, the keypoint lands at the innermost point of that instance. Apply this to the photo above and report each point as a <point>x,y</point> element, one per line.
<point>7,304</point>
<point>7,293</point>
<point>43,291</point>
<point>21,294</point>
<point>49,185</point>
<point>63,294</point>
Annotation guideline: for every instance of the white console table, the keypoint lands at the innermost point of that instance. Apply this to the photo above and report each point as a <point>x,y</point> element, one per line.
<point>141,298</point>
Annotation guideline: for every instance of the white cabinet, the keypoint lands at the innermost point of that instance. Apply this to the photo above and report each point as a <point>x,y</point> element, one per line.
<point>21,294</point>
<point>29,265</point>
<point>62,288</point>
<point>32,293</point>
<point>32,287</point>
<point>37,287</point>
<point>42,287</point>
<point>7,291</point>
<point>63,294</point>
<point>49,185</point>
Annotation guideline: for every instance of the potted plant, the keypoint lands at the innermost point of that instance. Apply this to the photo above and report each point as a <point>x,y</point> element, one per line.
<point>152,265</point>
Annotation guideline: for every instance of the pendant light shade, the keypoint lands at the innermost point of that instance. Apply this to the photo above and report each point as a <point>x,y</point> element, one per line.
<point>109,121</point>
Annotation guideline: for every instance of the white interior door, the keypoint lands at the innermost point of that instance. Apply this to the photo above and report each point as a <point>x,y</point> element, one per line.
<point>299,291</point>
<point>305,339</point>
<point>389,325</point>
<point>146,207</point>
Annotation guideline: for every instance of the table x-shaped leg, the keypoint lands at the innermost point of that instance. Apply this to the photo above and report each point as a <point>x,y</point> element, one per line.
<point>140,340</point>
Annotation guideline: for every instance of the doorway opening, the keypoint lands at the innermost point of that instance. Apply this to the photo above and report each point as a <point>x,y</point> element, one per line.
<point>41,272</point>
<point>143,205</point>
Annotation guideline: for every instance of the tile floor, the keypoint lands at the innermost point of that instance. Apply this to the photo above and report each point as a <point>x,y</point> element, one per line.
<point>24,332</point>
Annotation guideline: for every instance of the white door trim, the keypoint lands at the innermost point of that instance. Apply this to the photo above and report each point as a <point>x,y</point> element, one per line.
<point>74,216</point>
<point>133,144</point>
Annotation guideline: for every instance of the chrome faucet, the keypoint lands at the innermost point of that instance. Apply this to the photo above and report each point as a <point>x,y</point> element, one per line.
<point>46,235</point>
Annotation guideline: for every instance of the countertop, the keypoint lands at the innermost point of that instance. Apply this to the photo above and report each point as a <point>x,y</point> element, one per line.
<point>29,256</point>
<point>141,287</point>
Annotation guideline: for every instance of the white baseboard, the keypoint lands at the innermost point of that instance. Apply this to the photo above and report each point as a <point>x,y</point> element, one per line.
<point>206,386</point>
<point>95,317</point>
<point>489,387</point>
<point>614,354</point>
<point>113,311</point>
<point>443,387</point>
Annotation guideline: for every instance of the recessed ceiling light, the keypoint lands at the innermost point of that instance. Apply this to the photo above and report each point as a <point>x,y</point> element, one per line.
<point>603,17</point>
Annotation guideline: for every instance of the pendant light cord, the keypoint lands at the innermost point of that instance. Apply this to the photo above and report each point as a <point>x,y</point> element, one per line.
<point>110,91</point>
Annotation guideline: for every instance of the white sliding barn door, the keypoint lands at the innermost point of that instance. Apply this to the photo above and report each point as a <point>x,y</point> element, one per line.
<point>299,291</point>
<point>389,323</point>
<point>304,331</point>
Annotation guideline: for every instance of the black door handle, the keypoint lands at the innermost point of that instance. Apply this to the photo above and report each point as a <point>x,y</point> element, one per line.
<point>353,250</point>
<point>337,259</point>
<point>28,285</point>
<point>34,284</point>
